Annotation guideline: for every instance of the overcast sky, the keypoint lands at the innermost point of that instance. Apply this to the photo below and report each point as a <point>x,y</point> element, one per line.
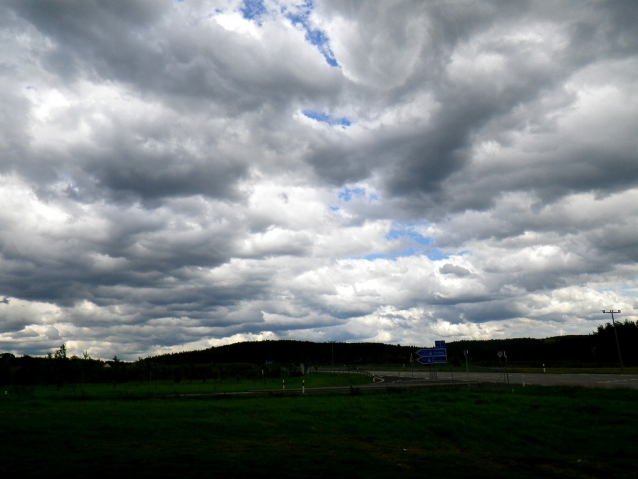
<point>176,175</point>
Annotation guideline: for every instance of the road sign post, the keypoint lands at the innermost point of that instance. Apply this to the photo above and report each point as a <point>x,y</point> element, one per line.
<point>500,354</point>
<point>433,356</point>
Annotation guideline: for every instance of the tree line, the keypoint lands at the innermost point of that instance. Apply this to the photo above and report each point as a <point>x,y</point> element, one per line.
<point>257,359</point>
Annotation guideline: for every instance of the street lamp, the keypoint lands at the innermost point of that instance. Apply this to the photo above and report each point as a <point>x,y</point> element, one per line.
<point>622,369</point>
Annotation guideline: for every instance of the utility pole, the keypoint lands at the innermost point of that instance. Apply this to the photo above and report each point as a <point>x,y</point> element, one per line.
<point>622,369</point>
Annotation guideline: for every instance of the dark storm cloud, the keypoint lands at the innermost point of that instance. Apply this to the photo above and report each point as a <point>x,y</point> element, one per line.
<point>482,105</point>
<point>109,33</point>
<point>135,42</point>
<point>220,76</point>
<point>113,42</point>
<point>164,186</point>
<point>160,176</point>
<point>455,270</point>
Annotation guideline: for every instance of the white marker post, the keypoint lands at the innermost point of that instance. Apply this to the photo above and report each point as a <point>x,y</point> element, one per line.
<point>283,384</point>
<point>467,369</point>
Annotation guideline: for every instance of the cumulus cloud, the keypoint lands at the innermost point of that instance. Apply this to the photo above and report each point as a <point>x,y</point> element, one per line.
<point>177,175</point>
<point>455,270</point>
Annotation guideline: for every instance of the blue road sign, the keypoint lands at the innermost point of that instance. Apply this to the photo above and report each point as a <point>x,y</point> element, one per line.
<point>431,352</point>
<point>439,344</point>
<point>432,359</point>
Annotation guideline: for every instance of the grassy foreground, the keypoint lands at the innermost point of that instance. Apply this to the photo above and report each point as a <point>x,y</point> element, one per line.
<point>163,389</point>
<point>493,433</point>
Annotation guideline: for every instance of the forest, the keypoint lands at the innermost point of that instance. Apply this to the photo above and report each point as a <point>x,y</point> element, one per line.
<point>270,358</point>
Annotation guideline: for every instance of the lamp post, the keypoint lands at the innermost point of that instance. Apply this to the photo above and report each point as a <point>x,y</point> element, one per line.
<point>622,369</point>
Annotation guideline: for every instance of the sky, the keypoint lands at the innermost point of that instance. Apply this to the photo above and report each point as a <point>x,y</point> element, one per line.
<point>176,175</point>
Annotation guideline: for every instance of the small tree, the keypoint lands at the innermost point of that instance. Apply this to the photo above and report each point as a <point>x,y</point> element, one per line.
<point>61,364</point>
<point>61,352</point>
<point>116,369</point>
<point>87,358</point>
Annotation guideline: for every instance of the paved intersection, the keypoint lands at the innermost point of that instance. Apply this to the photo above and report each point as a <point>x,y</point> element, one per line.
<point>543,379</point>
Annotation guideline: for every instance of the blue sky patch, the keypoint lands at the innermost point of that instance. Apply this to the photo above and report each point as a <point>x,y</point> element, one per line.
<point>348,193</point>
<point>320,40</point>
<point>420,245</point>
<point>372,257</point>
<point>434,254</point>
<point>411,235</point>
<point>325,118</point>
<point>300,17</point>
<point>253,9</point>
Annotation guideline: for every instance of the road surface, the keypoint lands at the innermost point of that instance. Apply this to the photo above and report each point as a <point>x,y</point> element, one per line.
<point>542,379</point>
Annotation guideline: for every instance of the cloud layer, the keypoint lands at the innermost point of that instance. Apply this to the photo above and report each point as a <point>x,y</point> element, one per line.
<point>176,175</point>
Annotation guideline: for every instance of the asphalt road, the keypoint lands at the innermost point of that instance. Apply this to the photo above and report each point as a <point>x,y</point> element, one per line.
<point>406,378</point>
<point>543,379</point>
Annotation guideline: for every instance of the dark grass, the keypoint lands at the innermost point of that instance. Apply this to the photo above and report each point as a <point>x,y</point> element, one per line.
<point>497,433</point>
<point>162,389</point>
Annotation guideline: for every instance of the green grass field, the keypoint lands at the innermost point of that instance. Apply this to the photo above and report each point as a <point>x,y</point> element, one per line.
<point>493,433</point>
<point>162,389</point>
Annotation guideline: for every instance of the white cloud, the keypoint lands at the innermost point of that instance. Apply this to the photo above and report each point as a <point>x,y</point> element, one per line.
<point>163,190</point>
